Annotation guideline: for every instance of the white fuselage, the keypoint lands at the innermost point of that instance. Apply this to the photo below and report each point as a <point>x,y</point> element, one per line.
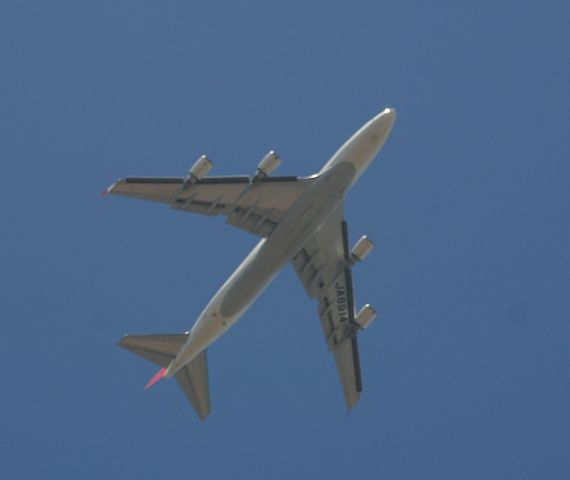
<point>271,254</point>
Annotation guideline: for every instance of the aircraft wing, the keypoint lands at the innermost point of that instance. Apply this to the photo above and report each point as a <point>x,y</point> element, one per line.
<point>255,207</point>
<point>322,265</point>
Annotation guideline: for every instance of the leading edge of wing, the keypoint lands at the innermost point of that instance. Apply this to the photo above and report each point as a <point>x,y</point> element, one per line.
<point>170,189</point>
<point>203,181</point>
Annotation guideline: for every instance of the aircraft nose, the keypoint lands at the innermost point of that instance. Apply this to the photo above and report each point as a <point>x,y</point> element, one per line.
<point>390,113</point>
<point>380,126</point>
<point>360,149</point>
<point>372,136</point>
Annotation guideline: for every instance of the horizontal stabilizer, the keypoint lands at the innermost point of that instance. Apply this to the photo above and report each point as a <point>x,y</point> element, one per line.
<point>162,349</point>
<point>159,349</point>
<point>193,379</point>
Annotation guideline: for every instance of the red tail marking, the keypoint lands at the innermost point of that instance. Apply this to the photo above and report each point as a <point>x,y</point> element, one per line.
<point>156,378</point>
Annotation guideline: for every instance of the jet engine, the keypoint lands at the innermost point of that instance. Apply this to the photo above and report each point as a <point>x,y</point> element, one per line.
<point>361,249</point>
<point>268,165</point>
<point>365,316</point>
<point>200,169</point>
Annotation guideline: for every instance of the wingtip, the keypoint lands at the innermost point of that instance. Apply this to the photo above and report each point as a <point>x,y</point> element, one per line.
<point>109,189</point>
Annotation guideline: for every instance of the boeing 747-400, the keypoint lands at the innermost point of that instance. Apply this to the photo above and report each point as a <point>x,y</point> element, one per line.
<point>299,220</point>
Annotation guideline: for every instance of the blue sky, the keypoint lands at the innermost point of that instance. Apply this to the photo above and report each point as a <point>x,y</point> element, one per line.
<point>465,370</point>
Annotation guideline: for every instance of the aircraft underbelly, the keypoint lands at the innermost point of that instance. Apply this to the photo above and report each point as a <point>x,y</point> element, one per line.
<point>270,259</point>
<point>301,222</point>
<point>266,260</point>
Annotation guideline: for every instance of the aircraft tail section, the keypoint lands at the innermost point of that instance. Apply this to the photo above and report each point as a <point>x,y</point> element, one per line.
<point>161,349</point>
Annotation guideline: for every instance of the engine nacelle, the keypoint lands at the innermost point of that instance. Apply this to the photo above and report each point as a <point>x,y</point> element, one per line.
<point>365,316</point>
<point>268,165</point>
<point>200,169</point>
<point>361,249</point>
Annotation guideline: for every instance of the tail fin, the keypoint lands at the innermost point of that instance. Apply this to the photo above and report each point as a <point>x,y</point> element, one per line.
<point>162,349</point>
<point>157,376</point>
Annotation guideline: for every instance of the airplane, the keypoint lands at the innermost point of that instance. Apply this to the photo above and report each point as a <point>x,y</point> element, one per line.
<point>300,220</point>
